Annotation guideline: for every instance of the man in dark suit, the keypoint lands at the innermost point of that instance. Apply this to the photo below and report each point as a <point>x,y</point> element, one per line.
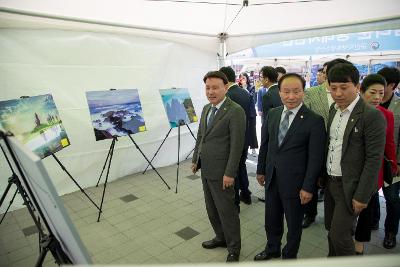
<point>356,141</point>
<point>219,145</point>
<point>243,98</point>
<point>289,163</point>
<point>271,99</point>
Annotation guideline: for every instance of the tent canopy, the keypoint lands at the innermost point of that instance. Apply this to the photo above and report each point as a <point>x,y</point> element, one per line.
<point>199,23</point>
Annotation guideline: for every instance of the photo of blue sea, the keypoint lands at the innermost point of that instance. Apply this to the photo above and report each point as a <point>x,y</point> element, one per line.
<point>115,113</point>
<point>178,106</point>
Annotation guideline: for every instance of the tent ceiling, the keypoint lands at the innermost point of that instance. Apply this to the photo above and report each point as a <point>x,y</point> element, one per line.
<point>198,20</point>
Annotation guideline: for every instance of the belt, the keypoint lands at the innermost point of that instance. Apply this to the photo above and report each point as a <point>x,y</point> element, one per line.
<point>335,178</point>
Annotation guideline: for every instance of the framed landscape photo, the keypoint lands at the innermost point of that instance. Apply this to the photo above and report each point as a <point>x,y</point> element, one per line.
<point>115,113</point>
<point>36,123</point>
<point>178,106</point>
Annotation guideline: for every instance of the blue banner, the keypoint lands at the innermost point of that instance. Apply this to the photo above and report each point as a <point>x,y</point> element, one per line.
<point>334,44</point>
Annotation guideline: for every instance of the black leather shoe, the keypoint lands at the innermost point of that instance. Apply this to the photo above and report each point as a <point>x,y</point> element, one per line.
<point>389,241</point>
<point>308,220</point>
<point>245,200</point>
<point>375,226</point>
<point>210,244</point>
<point>264,256</point>
<point>232,257</point>
<point>321,196</point>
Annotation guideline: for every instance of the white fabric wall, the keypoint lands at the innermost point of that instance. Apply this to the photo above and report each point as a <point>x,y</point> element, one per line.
<point>69,63</point>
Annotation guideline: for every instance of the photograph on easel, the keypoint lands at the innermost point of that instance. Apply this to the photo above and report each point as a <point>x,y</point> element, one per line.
<point>115,113</point>
<point>35,122</point>
<point>178,106</point>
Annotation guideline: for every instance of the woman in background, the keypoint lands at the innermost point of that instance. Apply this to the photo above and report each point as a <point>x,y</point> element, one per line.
<point>244,82</point>
<point>372,91</point>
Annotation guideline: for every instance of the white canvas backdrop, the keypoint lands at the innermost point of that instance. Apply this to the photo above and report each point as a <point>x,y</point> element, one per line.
<point>69,63</point>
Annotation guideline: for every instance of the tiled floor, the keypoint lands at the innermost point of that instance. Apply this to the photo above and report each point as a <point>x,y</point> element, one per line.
<point>144,222</point>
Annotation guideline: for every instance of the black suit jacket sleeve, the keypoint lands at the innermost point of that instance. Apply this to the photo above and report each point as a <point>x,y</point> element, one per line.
<point>316,150</point>
<point>262,155</point>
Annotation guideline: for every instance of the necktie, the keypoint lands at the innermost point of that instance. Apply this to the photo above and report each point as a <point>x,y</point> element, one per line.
<point>284,126</point>
<point>211,118</point>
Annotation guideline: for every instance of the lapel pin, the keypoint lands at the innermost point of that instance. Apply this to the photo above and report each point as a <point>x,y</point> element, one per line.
<point>301,116</point>
<point>352,120</point>
<point>355,130</point>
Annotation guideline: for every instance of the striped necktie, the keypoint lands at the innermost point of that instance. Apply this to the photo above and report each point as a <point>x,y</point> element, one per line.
<point>211,118</point>
<point>284,126</point>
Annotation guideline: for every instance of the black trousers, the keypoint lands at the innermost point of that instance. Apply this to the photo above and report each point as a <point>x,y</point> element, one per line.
<point>366,220</point>
<point>339,220</point>
<point>276,206</point>
<point>242,179</point>
<point>310,209</point>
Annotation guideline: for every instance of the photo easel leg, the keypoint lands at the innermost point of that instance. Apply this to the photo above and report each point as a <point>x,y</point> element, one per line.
<point>144,156</point>
<point>151,161</point>
<point>75,182</point>
<point>194,140</point>
<point>10,182</point>
<point>177,163</point>
<point>109,159</point>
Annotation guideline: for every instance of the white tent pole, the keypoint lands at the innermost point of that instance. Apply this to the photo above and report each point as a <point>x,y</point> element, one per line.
<point>222,50</point>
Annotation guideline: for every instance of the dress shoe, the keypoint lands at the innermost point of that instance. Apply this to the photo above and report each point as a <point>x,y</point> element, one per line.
<point>213,243</point>
<point>232,257</point>
<point>321,196</point>
<point>245,199</point>
<point>264,256</point>
<point>389,241</point>
<point>261,199</point>
<point>375,226</point>
<point>308,220</point>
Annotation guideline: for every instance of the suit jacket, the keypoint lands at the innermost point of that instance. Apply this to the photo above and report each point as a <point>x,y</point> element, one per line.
<point>362,151</point>
<point>271,99</point>
<point>241,97</point>
<point>298,161</point>
<point>316,99</point>
<point>220,145</point>
<point>394,106</point>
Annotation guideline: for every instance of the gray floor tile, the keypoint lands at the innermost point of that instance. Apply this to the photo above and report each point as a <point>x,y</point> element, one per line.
<point>193,177</point>
<point>128,198</point>
<point>30,230</point>
<point>187,233</point>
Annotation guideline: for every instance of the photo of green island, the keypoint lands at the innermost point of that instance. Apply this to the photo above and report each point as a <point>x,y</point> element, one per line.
<point>35,122</point>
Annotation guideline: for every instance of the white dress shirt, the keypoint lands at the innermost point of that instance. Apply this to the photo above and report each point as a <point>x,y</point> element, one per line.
<point>336,133</point>
<point>291,116</point>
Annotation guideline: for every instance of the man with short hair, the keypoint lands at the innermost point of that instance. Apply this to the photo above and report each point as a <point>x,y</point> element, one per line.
<point>219,145</point>
<point>244,99</point>
<point>391,192</point>
<point>321,76</point>
<point>319,99</point>
<point>271,99</point>
<point>281,71</point>
<point>356,141</point>
<point>289,163</point>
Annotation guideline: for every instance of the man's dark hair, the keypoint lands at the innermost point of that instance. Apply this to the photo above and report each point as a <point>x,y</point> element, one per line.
<point>370,80</point>
<point>292,75</point>
<point>330,64</point>
<point>280,70</point>
<point>344,73</point>
<point>270,73</point>
<point>216,74</point>
<point>391,75</point>
<point>229,73</point>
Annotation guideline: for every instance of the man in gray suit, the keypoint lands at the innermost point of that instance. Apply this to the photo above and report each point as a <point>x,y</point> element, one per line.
<point>356,140</point>
<point>219,146</point>
<point>319,99</point>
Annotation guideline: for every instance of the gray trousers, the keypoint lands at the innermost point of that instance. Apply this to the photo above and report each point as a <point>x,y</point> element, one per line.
<point>339,220</point>
<point>222,213</point>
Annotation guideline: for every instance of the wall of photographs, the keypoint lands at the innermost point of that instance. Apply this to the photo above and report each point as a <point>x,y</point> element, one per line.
<point>71,72</point>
